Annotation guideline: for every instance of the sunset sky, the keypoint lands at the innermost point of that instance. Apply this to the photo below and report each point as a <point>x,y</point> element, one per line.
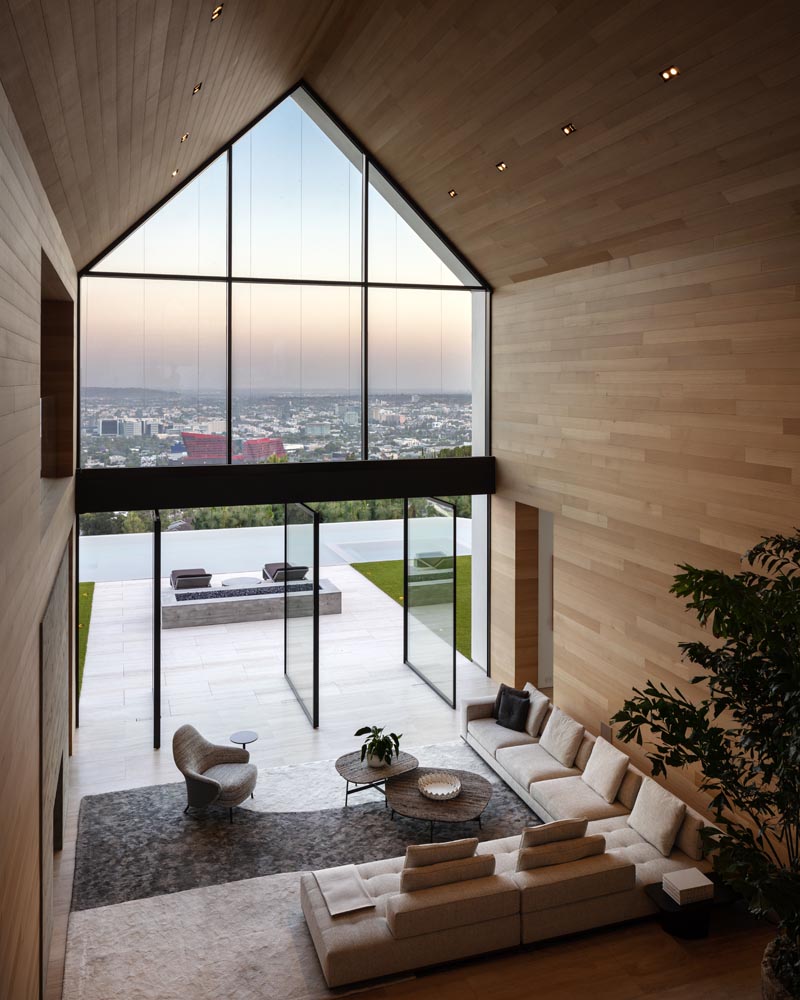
<point>296,214</point>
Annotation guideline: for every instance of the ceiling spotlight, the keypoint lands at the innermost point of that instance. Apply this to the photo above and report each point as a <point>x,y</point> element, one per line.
<point>501,166</point>
<point>217,11</point>
<point>669,72</point>
<point>568,129</point>
<point>196,88</point>
<point>175,172</point>
<point>453,193</point>
<point>184,137</point>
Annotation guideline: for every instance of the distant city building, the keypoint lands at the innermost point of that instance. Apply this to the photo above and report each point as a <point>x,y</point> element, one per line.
<point>261,449</point>
<point>316,430</point>
<point>108,426</point>
<point>215,427</point>
<point>352,418</point>
<point>205,447</point>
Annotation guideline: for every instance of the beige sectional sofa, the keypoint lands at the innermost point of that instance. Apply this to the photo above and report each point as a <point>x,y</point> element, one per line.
<point>479,905</point>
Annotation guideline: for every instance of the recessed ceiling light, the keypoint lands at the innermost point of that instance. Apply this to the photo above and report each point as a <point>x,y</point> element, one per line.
<point>175,172</point>
<point>568,129</point>
<point>501,166</point>
<point>196,88</point>
<point>669,72</point>
<point>184,137</point>
<point>453,193</point>
<point>217,11</point>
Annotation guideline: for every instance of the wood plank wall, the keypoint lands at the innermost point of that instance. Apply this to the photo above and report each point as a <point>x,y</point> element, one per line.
<point>31,546</point>
<point>653,404</point>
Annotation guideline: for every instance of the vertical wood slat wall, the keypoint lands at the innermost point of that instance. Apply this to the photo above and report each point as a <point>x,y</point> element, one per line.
<point>653,404</point>
<point>35,524</point>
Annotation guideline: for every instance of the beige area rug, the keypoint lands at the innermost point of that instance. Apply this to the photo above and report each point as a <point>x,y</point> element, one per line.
<point>243,939</point>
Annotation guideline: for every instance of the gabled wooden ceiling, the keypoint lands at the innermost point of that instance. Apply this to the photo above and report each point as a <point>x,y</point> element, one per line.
<point>439,91</point>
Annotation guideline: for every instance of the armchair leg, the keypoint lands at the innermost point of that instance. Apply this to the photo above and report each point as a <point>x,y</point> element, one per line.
<point>186,810</point>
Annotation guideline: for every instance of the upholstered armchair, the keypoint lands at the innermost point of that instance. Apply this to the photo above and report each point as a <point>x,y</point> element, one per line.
<point>214,774</point>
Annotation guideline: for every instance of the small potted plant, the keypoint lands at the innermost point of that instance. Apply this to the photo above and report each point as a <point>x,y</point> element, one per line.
<point>377,748</point>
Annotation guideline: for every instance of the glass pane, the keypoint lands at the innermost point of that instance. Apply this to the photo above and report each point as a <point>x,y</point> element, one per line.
<point>296,373</point>
<point>431,593</point>
<point>402,248</point>
<point>301,610</point>
<point>187,236</point>
<point>420,373</point>
<point>153,373</point>
<point>296,200</point>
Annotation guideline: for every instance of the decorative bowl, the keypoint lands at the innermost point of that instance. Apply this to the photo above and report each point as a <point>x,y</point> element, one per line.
<point>439,786</point>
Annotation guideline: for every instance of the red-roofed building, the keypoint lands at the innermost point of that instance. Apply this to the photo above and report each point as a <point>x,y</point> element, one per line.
<point>260,449</point>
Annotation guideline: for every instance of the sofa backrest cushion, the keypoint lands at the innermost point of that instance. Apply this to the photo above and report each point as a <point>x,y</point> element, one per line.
<point>537,711</point>
<point>446,872</point>
<point>445,907</point>
<point>561,737</point>
<point>560,852</point>
<point>605,769</point>
<point>657,816</point>
<point>420,855</point>
<point>512,712</point>
<point>688,839</point>
<point>584,751</point>
<point>551,833</point>
<point>630,786</point>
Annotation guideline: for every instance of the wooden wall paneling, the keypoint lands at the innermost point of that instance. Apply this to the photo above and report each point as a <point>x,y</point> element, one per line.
<point>57,378</point>
<point>515,593</point>
<point>32,540</point>
<point>652,404</point>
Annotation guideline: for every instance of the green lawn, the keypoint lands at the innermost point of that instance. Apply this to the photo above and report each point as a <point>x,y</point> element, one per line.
<point>85,598</point>
<point>389,577</point>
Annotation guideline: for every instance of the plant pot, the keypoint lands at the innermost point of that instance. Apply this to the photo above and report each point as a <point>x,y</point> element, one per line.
<point>771,987</point>
<point>373,761</point>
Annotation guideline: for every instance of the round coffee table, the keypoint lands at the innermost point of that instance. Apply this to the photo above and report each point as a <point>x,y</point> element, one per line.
<point>359,773</point>
<point>242,582</point>
<point>404,798</point>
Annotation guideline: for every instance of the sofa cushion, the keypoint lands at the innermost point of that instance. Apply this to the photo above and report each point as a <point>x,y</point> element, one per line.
<point>688,839</point>
<point>512,712</point>
<point>443,907</point>
<point>446,872</point>
<point>419,855</point>
<point>560,852</point>
<point>530,763</point>
<point>584,751</point>
<point>493,737</point>
<point>506,687</point>
<point>630,786</point>
<point>564,798</point>
<point>657,815</point>
<point>605,769</point>
<point>559,885</point>
<point>552,833</point>
<point>561,737</point>
<point>539,704</point>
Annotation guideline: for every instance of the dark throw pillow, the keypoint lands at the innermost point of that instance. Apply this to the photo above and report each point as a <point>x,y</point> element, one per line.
<point>505,687</point>
<point>513,711</point>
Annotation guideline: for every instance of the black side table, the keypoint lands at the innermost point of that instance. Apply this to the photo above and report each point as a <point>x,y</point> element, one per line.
<point>692,920</point>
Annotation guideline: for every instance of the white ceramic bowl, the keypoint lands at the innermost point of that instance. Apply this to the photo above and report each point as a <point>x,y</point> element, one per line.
<point>439,786</point>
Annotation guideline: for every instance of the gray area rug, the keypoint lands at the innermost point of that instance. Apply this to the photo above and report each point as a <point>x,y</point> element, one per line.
<point>137,843</point>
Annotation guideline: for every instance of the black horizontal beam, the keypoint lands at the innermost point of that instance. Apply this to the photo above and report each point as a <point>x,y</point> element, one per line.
<point>312,482</point>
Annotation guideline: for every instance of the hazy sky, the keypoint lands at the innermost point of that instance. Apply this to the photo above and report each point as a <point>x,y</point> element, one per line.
<point>296,214</point>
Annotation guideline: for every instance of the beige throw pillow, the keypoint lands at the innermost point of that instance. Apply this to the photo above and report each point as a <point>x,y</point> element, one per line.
<point>551,833</point>
<point>605,769</point>
<point>419,855</point>
<point>479,866</point>
<point>560,852</point>
<point>561,737</point>
<point>657,816</point>
<point>537,711</point>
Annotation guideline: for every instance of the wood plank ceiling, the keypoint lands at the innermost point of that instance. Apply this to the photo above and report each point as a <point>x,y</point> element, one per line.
<point>440,91</point>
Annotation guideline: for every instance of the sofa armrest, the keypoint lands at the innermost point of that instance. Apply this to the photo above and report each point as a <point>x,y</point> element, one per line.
<point>475,708</point>
<point>227,755</point>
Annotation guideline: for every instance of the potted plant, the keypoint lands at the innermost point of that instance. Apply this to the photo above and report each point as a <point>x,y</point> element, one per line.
<point>377,748</point>
<point>744,732</point>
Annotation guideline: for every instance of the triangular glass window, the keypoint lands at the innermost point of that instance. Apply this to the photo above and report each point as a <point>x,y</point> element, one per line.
<point>187,235</point>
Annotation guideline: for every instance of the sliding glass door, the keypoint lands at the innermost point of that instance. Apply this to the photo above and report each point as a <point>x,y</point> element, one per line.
<point>429,635</point>
<point>301,606</point>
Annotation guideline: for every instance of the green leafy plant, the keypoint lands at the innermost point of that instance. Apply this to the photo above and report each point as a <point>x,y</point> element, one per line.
<point>379,746</point>
<point>743,732</point>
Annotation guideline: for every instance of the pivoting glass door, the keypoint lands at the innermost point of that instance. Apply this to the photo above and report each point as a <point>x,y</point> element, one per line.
<point>301,606</point>
<point>429,596</point>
